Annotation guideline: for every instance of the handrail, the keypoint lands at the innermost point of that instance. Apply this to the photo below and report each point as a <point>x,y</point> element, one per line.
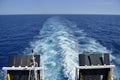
<point>96,67</point>
<point>111,67</point>
<point>23,68</point>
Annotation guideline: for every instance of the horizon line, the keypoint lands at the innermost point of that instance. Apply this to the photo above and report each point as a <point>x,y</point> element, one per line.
<point>57,14</point>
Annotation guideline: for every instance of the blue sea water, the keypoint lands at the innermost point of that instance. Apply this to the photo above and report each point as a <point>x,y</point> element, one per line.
<point>59,39</point>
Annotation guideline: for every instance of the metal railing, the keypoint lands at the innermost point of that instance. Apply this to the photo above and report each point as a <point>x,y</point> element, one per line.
<point>78,68</point>
<point>6,69</point>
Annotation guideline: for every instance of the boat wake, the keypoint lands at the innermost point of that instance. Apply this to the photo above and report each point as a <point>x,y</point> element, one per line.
<point>59,43</point>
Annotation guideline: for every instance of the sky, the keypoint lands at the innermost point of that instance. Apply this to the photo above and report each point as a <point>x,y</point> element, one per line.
<point>60,7</point>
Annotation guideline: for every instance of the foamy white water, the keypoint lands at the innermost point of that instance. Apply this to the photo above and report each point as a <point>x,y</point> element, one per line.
<point>59,43</point>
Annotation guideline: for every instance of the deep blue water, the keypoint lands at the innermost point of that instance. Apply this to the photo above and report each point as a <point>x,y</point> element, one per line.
<point>59,39</point>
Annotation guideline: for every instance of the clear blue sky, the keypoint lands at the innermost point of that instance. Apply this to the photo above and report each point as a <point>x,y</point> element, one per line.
<point>59,6</point>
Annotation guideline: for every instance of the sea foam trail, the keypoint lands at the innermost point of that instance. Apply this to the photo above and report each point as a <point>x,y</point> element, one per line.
<point>59,43</point>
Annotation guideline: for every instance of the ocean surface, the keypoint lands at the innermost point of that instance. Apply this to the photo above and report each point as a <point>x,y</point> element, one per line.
<point>59,39</point>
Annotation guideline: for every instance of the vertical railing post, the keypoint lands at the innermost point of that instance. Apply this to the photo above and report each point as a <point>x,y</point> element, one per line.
<point>5,74</point>
<point>43,73</point>
<point>112,69</point>
<point>76,73</point>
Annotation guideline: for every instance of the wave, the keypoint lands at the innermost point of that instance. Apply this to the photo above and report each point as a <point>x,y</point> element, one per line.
<point>59,43</point>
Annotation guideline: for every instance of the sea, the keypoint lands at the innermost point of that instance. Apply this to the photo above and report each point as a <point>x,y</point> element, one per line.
<point>59,39</point>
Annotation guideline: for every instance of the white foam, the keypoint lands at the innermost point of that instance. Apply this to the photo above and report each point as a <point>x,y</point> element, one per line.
<point>61,47</point>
